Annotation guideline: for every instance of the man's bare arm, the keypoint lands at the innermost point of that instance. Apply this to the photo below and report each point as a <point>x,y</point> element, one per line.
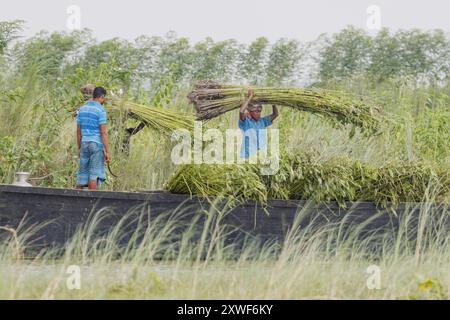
<point>275,113</point>
<point>105,143</point>
<point>133,131</point>
<point>79,137</point>
<point>243,110</point>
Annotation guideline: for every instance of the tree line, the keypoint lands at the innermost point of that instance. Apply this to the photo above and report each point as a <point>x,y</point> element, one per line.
<point>416,55</point>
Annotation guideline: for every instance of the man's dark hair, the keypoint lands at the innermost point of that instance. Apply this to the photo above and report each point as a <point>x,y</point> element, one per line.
<point>98,92</point>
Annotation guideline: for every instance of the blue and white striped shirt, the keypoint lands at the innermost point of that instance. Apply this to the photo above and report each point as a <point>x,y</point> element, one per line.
<point>255,134</point>
<point>90,117</point>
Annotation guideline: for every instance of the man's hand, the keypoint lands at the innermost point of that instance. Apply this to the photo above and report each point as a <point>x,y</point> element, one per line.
<point>243,108</point>
<point>251,93</point>
<point>105,143</point>
<point>275,113</point>
<point>108,158</point>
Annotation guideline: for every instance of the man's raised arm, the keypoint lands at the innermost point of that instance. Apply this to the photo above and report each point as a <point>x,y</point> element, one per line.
<point>275,113</point>
<point>243,110</point>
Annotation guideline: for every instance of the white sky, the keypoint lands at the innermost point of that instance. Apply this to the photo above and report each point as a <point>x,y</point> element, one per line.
<point>243,20</point>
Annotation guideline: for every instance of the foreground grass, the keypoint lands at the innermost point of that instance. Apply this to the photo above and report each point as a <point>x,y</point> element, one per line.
<point>314,262</point>
<point>317,279</point>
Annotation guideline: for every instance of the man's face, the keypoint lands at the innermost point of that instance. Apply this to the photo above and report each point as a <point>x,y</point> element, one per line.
<point>101,99</point>
<point>256,113</point>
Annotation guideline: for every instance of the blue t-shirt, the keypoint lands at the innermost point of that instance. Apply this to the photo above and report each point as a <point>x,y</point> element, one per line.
<point>255,135</point>
<point>90,117</point>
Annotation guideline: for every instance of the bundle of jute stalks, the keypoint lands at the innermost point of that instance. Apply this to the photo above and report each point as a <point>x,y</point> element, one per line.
<point>162,120</point>
<point>212,99</point>
<point>304,175</point>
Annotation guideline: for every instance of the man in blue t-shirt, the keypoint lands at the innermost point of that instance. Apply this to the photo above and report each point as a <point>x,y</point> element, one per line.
<point>92,141</point>
<point>253,126</point>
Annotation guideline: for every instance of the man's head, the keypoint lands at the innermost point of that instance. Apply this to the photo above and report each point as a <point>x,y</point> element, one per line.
<point>99,94</point>
<point>254,110</point>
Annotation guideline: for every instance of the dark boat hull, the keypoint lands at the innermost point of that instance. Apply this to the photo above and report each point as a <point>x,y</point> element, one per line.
<point>68,209</point>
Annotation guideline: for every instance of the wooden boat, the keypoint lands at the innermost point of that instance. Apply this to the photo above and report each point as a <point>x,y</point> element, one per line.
<point>68,209</point>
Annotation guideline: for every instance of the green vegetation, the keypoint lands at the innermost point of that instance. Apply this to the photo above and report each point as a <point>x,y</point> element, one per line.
<point>304,176</point>
<point>41,77</point>
<point>313,262</point>
<point>406,73</point>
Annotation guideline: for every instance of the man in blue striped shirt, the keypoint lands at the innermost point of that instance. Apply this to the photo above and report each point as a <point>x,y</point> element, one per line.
<point>92,141</point>
<point>253,126</point>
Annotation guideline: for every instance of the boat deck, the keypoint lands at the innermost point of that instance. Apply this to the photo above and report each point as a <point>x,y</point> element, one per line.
<point>68,209</point>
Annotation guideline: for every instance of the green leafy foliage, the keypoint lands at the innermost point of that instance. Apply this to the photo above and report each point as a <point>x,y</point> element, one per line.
<point>305,176</point>
<point>405,72</point>
<point>421,55</point>
<point>9,31</point>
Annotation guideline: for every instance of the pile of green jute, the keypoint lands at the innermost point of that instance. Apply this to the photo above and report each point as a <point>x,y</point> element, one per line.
<point>306,176</point>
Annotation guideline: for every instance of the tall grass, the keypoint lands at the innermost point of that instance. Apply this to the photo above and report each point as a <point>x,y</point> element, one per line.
<point>314,261</point>
<point>38,135</point>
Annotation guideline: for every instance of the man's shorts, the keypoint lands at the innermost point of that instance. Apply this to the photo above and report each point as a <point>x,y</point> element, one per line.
<point>92,164</point>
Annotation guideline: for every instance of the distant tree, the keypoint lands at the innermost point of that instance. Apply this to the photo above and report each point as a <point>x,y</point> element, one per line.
<point>120,50</point>
<point>119,54</point>
<point>408,55</point>
<point>253,60</point>
<point>386,57</point>
<point>425,53</point>
<point>214,60</point>
<point>346,54</point>
<point>312,59</point>
<point>283,60</point>
<point>47,54</point>
<point>174,57</point>
<point>438,56</point>
<point>9,31</point>
<point>146,54</point>
<point>412,53</point>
